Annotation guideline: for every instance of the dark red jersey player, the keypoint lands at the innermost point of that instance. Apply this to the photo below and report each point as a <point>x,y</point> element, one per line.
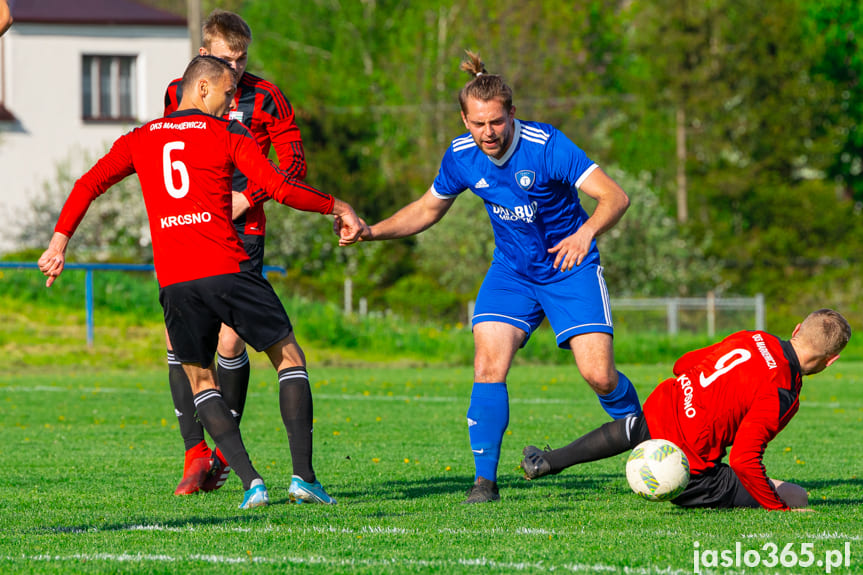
<point>741,391</point>
<point>736,394</point>
<point>185,164</point>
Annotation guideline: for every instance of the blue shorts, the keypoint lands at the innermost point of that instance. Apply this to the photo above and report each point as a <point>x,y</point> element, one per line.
<point>575,305</point>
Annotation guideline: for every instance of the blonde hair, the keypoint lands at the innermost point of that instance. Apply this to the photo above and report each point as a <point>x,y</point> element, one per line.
<point>825,331</point>
<point>229,27</point>
<point>483,86</point>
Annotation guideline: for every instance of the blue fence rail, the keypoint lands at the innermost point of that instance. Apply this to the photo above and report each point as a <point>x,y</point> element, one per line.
<point>89,268</point>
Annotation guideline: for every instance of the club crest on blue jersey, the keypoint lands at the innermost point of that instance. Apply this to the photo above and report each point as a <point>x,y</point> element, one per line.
<point>525,179</point>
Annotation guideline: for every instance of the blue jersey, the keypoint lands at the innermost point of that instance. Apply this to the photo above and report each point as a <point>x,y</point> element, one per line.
<point>531,194</point>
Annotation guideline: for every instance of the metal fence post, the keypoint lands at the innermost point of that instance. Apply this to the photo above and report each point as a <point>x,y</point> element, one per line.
<point>673,322</point>
<point>759,312</point>
<point>349,296</point>
<point>88,295</point>
<point>711,314</point>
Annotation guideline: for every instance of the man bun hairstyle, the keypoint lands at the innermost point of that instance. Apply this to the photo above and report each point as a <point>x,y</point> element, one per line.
<point>208,67</point>
<point>229,27</point>
<point>482,85</point>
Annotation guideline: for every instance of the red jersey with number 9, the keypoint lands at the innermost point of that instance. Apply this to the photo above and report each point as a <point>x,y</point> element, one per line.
<point>185,163</point>
<point>741,391</point>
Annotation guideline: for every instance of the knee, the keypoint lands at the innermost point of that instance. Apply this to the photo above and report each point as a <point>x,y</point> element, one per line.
<point>600,381</point>
<point>792,494</point>
<point>230,344</point>
<point>488,369</point>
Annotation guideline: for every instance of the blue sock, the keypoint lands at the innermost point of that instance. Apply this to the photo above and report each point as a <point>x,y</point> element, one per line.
<point>621,402</point>
<point>487,418</point>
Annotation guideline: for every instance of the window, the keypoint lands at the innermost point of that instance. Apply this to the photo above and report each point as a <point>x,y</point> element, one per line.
<point>108,88</point>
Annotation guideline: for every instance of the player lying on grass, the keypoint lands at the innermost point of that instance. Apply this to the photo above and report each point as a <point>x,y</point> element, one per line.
<point>742,391</point>
<point>185,162</point>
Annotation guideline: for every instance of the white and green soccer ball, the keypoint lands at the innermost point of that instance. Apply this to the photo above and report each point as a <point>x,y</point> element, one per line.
<point>657,470</point>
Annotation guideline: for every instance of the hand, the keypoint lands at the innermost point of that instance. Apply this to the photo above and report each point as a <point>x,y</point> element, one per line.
<point>51,264</point>
<point>53,259</point>
<point>571,250</point>
<point>347,224</point>
<point>239,205</point>
<point>365,232</point>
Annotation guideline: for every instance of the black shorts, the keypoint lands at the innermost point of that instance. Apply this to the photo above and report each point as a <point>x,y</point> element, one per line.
<point>717,487</point>
<point>194,311</point>
<point>254,246</point>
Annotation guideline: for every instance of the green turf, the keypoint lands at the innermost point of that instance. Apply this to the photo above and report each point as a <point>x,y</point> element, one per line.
<point>91,458</point>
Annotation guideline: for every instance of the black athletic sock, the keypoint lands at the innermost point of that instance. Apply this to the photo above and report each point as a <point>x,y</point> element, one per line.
<point>610,439</point>
<point>295,403</point>
<point>221,426</point>
<point>232,373</point>
<point>184,404</point>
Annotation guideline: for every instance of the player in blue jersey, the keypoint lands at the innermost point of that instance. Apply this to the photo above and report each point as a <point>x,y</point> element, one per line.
<point>545,260</point>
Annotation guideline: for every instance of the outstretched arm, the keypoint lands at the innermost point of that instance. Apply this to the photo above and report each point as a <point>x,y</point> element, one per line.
<point>412,219</point>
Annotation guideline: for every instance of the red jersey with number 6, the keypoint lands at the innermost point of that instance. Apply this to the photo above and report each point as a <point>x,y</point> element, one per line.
<point>185,163</point>
<point>741,391</point>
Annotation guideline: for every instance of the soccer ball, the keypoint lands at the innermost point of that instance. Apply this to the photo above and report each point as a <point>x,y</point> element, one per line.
<point>657,470</point>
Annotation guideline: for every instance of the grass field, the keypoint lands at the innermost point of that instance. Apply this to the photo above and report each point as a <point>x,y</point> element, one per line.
<point>91,458</point>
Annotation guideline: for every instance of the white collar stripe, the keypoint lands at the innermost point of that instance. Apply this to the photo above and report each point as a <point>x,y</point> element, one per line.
<point>530,130</point>
<point>531,138</point>
<point>464,147</point>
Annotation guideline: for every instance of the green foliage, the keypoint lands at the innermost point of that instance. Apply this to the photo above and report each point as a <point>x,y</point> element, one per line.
<point>765,93</point>
<point>114,229</point>
<point>839,24</point>
<point>648,254</point>
<point>458,250</point>
<point>423,297</point>
<point>134,295</point>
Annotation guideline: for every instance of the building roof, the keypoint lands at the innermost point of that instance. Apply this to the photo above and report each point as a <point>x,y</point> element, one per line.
<point>114,12</point>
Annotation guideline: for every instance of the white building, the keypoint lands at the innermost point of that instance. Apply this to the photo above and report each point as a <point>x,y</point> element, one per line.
<point>75,75</point>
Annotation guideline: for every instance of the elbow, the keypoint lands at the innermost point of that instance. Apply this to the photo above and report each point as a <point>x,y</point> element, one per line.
<point>624,202</point>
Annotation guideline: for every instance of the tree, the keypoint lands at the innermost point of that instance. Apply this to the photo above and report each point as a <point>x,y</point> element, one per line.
<point>115,227</point>
<point>839,24</point>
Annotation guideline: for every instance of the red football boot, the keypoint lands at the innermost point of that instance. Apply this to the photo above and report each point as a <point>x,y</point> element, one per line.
<point>196,466</point>
<point>219,472</point>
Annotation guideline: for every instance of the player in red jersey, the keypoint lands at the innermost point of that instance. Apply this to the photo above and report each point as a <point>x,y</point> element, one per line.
<point>185,163</point>
<point>264,110</point>
<point>742,391</point>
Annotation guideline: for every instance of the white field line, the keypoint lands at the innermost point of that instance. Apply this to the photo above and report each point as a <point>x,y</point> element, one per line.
<point>819,536</point>
<point>480,563</point>
<point>364,530</point>
<point>388,398</point>
<point>398,531</point>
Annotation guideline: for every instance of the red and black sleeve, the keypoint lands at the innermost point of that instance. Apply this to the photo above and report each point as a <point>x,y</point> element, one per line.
<point>275,182</point>
<point>173,95</point>
<point>276,115</point>
<point>756,430</point>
